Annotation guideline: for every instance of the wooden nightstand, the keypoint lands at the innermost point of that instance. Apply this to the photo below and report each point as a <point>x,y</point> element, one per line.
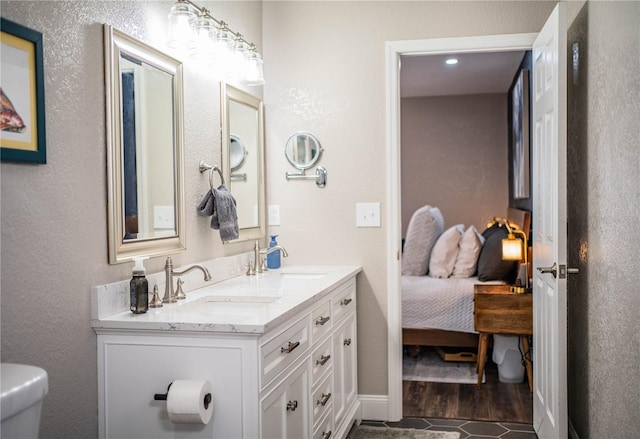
<point>498,311</point>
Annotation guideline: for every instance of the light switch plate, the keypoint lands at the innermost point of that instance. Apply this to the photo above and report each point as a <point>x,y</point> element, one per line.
<point>274,214</point>
<point>163,217</point>
<point>367,214</point>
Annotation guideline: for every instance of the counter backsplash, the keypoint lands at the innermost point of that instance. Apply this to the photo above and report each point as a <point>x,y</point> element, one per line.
<point>110,299</point>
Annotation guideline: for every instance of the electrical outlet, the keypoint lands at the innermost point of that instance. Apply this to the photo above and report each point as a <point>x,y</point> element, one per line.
<point>367,214</point>
<point>274,215</point>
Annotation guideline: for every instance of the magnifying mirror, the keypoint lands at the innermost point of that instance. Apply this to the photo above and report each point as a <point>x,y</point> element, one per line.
<point>302,150</point>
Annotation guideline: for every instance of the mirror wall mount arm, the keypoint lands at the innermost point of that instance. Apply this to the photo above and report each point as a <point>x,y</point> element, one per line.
<point>320,177</point>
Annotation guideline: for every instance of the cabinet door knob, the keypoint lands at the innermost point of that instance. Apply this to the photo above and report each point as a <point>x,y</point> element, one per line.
<point>326,435</point>
<point>323,359</point>
<point>345,302</point>
<point>292,405</point>
<point>347,342</point>
<point>322,320</point>
<point>290,347</point>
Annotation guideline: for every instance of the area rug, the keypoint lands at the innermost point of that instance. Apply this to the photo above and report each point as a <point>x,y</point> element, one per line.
<point>367,432</point>
<point>429,366</point>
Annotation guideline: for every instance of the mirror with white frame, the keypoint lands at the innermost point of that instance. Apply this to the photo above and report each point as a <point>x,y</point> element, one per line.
<point>243,158</point>
<point>144,149</point>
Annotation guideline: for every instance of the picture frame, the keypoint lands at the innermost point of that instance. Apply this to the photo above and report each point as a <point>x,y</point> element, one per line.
<point>521,179</point>
<point>22,123</point>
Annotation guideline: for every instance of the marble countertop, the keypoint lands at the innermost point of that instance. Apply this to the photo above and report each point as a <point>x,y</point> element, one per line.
<point>243,304</point>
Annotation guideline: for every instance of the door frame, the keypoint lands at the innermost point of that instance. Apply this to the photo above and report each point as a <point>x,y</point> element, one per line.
<point>394,50</point>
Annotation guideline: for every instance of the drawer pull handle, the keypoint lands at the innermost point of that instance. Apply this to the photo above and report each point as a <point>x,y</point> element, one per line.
<point>322,320</point>
<point>290,347</point>
<point>326,435</point>
<point>292,405</point>
<point>324,400</point>
<point>347,342</point>
<point>345,302</point>
<point>323,359</point>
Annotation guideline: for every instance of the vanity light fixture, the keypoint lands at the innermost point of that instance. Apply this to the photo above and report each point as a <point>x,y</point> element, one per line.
<point>451,61</point>
<point>515,249</point>
<point>210,41</point>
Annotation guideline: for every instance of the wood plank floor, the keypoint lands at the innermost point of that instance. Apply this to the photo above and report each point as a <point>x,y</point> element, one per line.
<point>494,401</point>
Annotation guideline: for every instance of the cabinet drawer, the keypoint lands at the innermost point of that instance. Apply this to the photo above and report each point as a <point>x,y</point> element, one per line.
<point>283,349</point>
<point>344,300</point>
<point>325,428</point>
<point>321,399</point>
<point>503,313</point>
<point>321,321</point>
<point>321,360</point>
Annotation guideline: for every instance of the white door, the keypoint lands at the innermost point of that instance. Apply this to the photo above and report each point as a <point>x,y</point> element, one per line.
<point>550,419</point>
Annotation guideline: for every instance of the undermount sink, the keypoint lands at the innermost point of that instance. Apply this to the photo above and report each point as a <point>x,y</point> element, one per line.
<point>212,305</point>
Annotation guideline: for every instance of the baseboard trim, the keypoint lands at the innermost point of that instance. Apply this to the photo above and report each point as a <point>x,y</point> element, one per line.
<point>374,407</point>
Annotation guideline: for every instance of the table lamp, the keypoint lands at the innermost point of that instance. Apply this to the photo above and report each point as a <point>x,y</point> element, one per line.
<point>513,248</point>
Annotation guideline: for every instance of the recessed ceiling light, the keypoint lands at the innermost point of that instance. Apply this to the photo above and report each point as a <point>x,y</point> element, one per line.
<point>451,61</point>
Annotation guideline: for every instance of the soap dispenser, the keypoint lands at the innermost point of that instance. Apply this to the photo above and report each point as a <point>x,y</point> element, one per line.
<point>139,288</point>
<point>273,258</point>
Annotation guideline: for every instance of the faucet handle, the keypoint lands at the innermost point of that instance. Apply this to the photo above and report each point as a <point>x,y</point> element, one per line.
<point>263,265</point>
<point>155,298</point>
<point>250,269</point>
<point>180,295</point>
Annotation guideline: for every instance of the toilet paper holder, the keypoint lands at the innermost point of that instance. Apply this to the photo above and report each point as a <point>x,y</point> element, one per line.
<point>163,397</point>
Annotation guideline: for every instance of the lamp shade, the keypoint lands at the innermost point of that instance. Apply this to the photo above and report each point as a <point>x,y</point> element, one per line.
<point>512,249</point>
<point>182,24</point>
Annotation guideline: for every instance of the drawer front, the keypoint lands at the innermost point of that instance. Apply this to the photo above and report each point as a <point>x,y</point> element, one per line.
<point>321,360</point>
<point>321,321</point>
<point>283,349</point>
<point>344,300</point>
<point>321,399</point>
<point>503,313</point>
<point>325,428</point>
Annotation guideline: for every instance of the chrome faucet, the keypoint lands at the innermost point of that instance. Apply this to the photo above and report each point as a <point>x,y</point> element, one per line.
<point>169,292</point>
<point>257,252</point>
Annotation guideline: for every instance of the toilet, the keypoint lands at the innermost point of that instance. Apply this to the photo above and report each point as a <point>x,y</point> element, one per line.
<point>22,389</point>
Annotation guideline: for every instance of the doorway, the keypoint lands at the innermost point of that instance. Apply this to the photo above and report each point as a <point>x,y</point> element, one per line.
<point>394,51</point>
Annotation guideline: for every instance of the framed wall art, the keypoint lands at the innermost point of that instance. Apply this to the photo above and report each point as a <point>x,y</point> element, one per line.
<point>22,124</point>
<point>520,136</point>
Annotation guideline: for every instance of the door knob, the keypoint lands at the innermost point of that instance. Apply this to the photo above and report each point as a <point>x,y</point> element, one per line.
<point>553,270</point>
<point>561,271</point>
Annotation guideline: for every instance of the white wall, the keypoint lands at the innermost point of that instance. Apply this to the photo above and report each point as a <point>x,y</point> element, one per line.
<point>454,156</point>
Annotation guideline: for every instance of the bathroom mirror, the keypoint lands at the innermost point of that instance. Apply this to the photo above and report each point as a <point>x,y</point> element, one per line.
<point>302,150</point>
<point>243,159</point>
<point>144,98</point>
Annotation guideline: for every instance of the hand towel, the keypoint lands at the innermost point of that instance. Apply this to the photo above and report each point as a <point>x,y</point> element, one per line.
<point>220,204</point>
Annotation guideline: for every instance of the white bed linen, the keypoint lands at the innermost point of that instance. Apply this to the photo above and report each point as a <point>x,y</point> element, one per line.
<point>433,303</point>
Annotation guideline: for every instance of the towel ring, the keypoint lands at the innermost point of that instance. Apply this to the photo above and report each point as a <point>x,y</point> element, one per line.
<point>205,167</point>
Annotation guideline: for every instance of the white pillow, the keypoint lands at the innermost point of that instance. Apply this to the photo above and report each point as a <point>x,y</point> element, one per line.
<point>425,226</point>
<point>445,252</point>
<point>470,245</point>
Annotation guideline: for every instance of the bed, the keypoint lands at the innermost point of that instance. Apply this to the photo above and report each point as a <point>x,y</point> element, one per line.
<point>439,311</point>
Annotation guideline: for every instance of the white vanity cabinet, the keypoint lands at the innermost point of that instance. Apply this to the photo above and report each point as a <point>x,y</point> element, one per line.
<point>295,380</point>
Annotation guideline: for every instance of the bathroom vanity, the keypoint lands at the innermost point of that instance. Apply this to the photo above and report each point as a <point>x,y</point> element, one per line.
<point>280,350</point>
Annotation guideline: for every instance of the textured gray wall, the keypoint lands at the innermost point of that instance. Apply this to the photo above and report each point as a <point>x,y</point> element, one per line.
<point>453,148</point>
<point>54,228</point>
<point>604,210</point>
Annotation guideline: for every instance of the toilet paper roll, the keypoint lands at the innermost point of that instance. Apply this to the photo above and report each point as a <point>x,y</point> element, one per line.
<point>187,404</point>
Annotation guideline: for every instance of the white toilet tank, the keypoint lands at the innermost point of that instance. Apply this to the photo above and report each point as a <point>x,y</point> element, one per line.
<point>22,389</point>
